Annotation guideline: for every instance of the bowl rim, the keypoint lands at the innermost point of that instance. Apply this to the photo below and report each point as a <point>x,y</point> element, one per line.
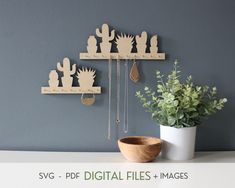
<point>148,137</point>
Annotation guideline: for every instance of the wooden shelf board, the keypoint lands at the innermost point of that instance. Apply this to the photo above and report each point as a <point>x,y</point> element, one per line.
<point>105,157</point>
<point>146,56</point>
<point>72,90</point>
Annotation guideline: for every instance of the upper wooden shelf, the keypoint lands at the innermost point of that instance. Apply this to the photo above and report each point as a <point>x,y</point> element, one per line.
<point>125,46</point>
<point>146,56</point>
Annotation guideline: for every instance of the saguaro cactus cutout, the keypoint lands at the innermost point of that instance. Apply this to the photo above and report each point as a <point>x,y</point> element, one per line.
<point>53,79</point>
<point>67,79</point>
<point>141,42</point>
<point>105,45</point>
<point>153,44</point>
<point>91,45</point>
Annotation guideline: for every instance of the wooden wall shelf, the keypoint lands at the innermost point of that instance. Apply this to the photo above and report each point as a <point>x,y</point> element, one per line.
<point>71,90</point>
<point>124,44</point>
<point>146,56</point>
<point>85,77</point>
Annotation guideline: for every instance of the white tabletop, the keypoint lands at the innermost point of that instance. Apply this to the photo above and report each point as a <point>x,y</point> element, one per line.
<point>107,157</point>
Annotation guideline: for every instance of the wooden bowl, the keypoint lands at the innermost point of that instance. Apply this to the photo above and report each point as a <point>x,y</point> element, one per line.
<point>140,148</point>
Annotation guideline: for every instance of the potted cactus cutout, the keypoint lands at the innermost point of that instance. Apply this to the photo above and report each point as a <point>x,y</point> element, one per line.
<point>86,77</point>
<point>124,43</point>
<point>67,79</point>
<point>105,45</point>
<point>53,79</point>
<point>141,42</point>
<point>92,45</point>
<point>153,44</point>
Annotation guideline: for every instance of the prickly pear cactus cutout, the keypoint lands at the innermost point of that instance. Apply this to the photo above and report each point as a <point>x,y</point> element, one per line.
<point>124,44</point>
<point>141,42</point>
<point>85,78</point>
<point>153,44</point>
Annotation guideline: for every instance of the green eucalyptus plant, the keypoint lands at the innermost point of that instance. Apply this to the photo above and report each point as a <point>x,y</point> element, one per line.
<point>179,104</point>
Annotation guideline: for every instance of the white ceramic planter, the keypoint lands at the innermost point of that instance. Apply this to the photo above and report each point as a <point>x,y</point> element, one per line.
<point>178,143</point>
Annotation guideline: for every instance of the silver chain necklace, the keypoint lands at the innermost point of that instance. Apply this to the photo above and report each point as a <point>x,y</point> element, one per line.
<point>110,96</point>
<point>126,96</point>
<point>126,92</point>
<point>118,92</point>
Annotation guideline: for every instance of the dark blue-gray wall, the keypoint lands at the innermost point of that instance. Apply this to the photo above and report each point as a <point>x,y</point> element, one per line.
<point>36,34</point>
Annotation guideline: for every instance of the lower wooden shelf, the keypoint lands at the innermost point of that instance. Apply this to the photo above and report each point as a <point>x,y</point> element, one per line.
<point>71,90</point>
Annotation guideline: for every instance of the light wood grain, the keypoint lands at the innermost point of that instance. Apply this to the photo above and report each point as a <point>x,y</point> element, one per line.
<point>140,148</point>
<point>146,56</point>
<point>67,79</point>
<point>71,90</point>
<point>141,42</point>
<point>53,79</point>
<point>154,44</point>
<point>91,45</point>
<point>105,45</point>
<point>88,101</point>
<point>124,44</point>
<point>84,75</point>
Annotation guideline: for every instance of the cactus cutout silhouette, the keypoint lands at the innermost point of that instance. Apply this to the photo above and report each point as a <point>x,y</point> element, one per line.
<point>86,77</point>
<point>153,44</point>
<point>53,79</point>
<point>141,42</point>
<point>124,43</point>
<point>91,45</point>
<point>67,79</point>
<point>105,45</point>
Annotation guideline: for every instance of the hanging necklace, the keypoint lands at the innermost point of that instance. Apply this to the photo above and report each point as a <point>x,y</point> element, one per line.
<point>118,92</point>
<point>110,96</point>
<point>125,127</point>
